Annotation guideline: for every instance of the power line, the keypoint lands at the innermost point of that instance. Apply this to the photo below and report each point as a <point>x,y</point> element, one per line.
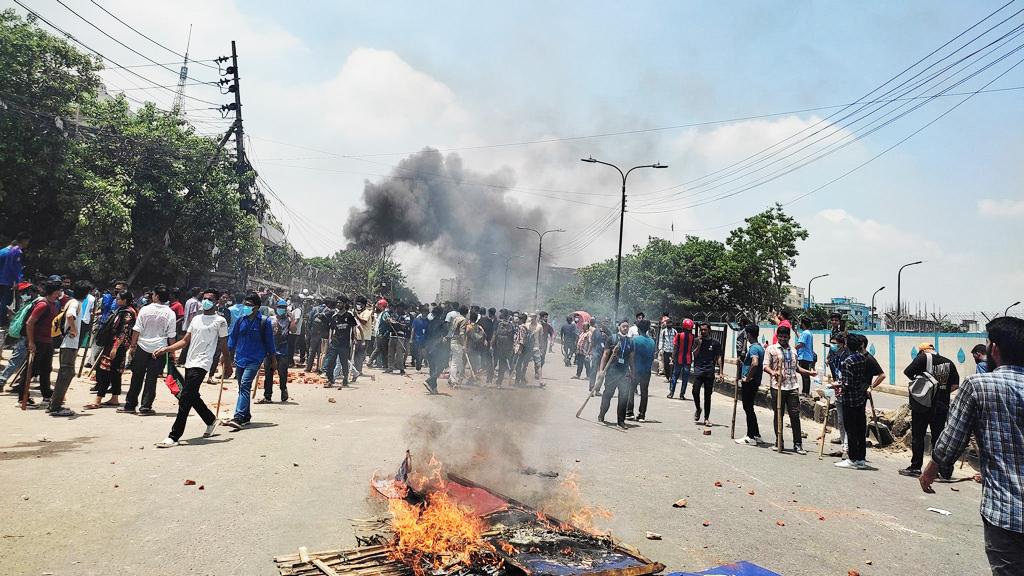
<point>83,45</point>
<point>133,29</point>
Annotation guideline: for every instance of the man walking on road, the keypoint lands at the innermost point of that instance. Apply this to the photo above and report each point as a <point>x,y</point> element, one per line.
<point>341,327</point>
<point>781,365</point>
<point>618,368</point>
<point>682,357</point>
<point>205,334</point>
<point>643,362</point>
<point>990,406</point>
<point>710,355</point>
<point>667,345</point>
<point>155,328</point>
<point>929,364</point>
<point>250,343</point>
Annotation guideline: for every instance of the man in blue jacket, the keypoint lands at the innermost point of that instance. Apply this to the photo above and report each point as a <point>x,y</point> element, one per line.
<point>250,342</point>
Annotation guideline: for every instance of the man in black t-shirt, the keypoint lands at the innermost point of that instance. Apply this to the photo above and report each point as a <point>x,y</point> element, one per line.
<point>488,323</point>
<point>341,324</point>
<point>400,330</point>
<point>947,379</point>
<point>706,363</point>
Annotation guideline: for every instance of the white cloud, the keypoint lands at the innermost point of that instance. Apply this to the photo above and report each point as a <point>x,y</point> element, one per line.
<point>1001,208</point>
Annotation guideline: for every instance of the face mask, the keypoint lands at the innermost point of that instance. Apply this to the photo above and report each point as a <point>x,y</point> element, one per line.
<point>208,304</point>
<point>282,311</point>
<point>246,310</point>
<point>833,347</point>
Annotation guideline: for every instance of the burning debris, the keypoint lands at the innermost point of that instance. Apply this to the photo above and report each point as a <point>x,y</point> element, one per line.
<point>444,525</point>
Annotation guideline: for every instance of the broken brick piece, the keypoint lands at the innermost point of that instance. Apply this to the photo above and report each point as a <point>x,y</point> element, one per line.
<point>706,523</point>
<point>718,484</point>
<point>780,523</point>
<point>202,487</point>
<point>190,482</point>
<point>751,492</point>
<point>681,503</point>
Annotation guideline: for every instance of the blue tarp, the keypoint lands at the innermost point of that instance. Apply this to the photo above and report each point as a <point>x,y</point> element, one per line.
<point>741,568</point>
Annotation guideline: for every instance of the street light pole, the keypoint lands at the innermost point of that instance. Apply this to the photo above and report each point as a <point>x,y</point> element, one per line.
<point>899,277</point>
<point>540,249</point>
<point>622,219</point>
<point>508,261</point>
<point>808,307</point>
<point>873,315</point>
<point>1007,311</point>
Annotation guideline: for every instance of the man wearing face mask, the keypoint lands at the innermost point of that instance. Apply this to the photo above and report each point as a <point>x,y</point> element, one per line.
<point>990,406</point>
<point>205,334</point>
<point>618,367</point>
<point>250,343</point>
<point>282,324</point>
<point>339,348</point>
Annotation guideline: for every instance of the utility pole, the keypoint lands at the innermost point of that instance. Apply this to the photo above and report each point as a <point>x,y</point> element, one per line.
<point>540,251</point>
<point>247,203</point>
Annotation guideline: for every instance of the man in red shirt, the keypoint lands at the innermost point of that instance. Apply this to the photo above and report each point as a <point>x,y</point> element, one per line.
<point>682,357</point>
<point>782,319</point>
<point>38,336</point>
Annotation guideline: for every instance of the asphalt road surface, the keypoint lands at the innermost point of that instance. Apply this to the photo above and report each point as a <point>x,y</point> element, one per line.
<point>92,495</point>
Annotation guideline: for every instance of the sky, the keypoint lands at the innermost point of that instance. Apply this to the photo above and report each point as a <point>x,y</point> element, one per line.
<point>336,93</point>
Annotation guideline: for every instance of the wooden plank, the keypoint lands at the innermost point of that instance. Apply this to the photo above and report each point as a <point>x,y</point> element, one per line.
<point>303,554</point>
<point>324,567</point>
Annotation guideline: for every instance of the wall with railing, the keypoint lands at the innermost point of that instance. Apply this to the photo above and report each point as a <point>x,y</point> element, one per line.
<point>893,350</point>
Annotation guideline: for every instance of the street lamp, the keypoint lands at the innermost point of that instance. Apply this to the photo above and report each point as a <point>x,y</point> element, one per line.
<point>808,307</point>
<point>622,214</point>
<point>898,279</point>
<point>508,260</point>
<point>1007,311</point>
<point>540,247</point>
<point>873,315</point>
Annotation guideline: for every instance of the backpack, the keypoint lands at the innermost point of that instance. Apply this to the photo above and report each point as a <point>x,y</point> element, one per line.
<point>922,388</point>
<point>476,335</point>
<point>105,331</point>
<point>18,322</point>
<point>57,327</point>
<point>504,335</point>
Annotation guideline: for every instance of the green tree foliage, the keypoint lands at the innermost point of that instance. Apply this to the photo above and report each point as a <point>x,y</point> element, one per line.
<point>743,275</point>
<point>356,272</point>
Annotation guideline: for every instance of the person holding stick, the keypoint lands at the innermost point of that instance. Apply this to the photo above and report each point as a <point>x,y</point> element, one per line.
<point>781,365</point>
<point>207,332</point>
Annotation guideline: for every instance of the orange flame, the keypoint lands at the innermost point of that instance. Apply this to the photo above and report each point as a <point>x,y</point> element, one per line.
<point>508,548</point>
<point>440,532</point>
<point>569,504</point>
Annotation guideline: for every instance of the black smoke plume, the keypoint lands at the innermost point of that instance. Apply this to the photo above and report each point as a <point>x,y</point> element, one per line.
<point>461,216</point>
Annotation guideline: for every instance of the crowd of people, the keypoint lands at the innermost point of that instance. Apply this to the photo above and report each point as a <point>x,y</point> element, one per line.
<point>155,331</point>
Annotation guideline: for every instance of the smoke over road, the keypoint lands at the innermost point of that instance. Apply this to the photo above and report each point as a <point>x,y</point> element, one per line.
<point>459,216</point>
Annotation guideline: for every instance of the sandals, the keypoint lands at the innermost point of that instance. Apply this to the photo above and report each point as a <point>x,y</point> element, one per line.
<point>92,406</point>
<point>111,403</point>
<point>264,401</point>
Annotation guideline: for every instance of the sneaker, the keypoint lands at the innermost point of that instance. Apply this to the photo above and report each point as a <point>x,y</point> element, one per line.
<point>209,430</point>
<point>284,397</point>
<point>622,426</point>
<point>911,472</point>
<point>696,415</point>
<point>125,410</point>
<point>146,412</point>
<point>233,424</point>
<point>641,419</point>
<point>746,441</point>
<point>63,413</point>
<point>845,464</point>
<point>800,450</point>
<point>670,396</point>
<point>166,443</point>
<point>861,465</point>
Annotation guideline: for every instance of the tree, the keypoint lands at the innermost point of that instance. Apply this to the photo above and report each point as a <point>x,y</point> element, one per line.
<point>761,255</point>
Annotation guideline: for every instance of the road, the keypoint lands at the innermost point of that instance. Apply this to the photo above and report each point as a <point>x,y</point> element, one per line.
<point>97,498</point>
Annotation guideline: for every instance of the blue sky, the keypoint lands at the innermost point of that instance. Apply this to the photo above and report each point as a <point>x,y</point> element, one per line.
<point>369,78</point>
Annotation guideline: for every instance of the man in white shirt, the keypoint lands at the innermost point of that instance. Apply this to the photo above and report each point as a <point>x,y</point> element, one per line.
<point>72,329</point>
<point>633,331</point>
<point>207,332</point>
<point>154,329</point>
<point>191,309</point>
<point>295,334</point>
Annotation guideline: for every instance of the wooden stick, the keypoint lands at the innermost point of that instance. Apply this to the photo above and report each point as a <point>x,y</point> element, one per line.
<point>27,379</point>
<point>324,567</point>
<point>220,393</point>
<point>824,428</point>
<point>778,412</point>
<point>735,401</point>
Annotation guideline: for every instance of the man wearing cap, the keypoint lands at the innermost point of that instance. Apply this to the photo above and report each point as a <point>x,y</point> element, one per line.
<point>947,379</point>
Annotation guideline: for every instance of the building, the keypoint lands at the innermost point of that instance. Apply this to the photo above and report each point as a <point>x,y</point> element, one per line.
<point>794,298</point>
<point>854,312</point>
<point>454,290</point>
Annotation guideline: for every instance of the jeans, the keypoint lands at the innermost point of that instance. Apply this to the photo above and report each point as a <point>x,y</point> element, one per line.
<point>336,352</point>
<point>6,297</point>
<point>615,379</point>
<point>314,350</point>
<point>417,354</point>
<point>188,400</point>
<point>642,381</point>
<point>380,352</point>
<point>283,361</point>
<point>245,375</point>
<point>921,420</point>
<point>666,365</point>
<point>856,422</point>
<point>502,360</point>
<point>438,359</point>
<point>707,380</point>
<point>145,371</point>
<point>840,424</point>
<point>677,371</point>
<point>748,392</point>
<point>791,405</point>
<point>582,363</point>
<point>1005,550</point>
<point>806,365</point>
<point>301,345</point>
<point>397,349</point>
<point>65,373</point>
<point>111,379</point>
<point>360,355</point>
<point>457,364</point>
<point>18,357</point>
<point>595,366</point>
